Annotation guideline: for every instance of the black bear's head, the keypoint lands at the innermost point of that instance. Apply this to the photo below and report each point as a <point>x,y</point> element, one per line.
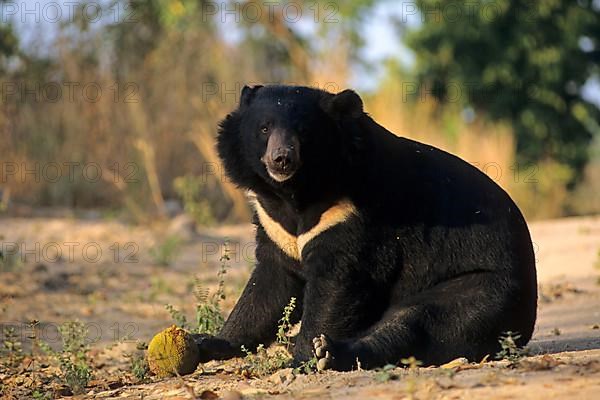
<point>290,137</point>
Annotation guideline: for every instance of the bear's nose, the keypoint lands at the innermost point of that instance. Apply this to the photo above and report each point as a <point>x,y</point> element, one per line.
<point>282,158</point>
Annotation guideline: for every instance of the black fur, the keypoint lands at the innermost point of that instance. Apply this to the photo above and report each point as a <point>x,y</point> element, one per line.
<point>437,263</point>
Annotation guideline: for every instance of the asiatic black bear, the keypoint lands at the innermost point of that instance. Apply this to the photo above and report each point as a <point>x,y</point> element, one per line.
<point>393,248</point>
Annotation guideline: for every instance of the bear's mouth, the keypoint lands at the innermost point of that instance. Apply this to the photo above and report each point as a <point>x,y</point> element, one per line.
<point>280,174</point>
<point>280,177</point>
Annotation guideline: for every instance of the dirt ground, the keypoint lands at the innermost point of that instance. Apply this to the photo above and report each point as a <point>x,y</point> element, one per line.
<point>105,274</point>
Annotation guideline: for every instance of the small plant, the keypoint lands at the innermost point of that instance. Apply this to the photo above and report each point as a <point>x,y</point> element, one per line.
<point>11,345</point>
<point>139,367</point>
<point>177,316</point>
<point>509,349</point>
<point>412,382</point>
<point>285,324</point>
<point>263,363</point>
<point>411,362</point>
<point>158,286</point>
<point>37,395</point>
<point>307,367</point>
<point>164,253</point>
<point>386,373</point>
<point>138,363</point>
<point>190,189</point>
<point>11,258</point>
<point>209,319</point>
<point>72,359</point>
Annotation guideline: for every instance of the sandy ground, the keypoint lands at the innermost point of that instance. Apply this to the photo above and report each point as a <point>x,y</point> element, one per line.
<point>103,273</point>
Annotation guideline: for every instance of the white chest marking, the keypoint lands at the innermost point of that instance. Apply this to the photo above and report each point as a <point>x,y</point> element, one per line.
<point>293,245</point>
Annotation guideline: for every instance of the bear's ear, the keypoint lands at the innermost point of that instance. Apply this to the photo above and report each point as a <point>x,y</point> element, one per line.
<point>346,103</point>
<point>248,94</point>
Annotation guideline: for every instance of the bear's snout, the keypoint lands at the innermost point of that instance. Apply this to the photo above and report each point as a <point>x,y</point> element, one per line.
<point>282,157</point>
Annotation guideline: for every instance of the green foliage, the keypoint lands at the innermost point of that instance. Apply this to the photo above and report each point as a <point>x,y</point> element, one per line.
<point>8,42</point>
<point>509,349</point>
<point>164,253</point>
<point>285,324</point>
<point>386,373</point>
<point>263,362</point>
<point>307,367</point>
<point>520,61</point>
<point>412,382</point>
<point>76,374</point>
<point>11,345</point>
<point>209,317</point>
<point>177,316</point>
<point>139,367</point>
<point>37,395</point>
<point>411,362</point>
<point>158,286</point>
<point>138,362</point>
<point>11,258</point>
<point>72,359</point>
<point>190,189</point>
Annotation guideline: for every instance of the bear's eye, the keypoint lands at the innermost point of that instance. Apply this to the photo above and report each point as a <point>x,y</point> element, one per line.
<point>264,129</point>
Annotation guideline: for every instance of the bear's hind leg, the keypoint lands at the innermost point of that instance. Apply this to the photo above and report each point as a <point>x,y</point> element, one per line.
<point>462,317</point>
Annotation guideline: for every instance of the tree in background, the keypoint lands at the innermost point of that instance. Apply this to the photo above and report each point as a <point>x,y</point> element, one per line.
<point>8,42</point>
<point>8,48</point>
<point>519,61</point>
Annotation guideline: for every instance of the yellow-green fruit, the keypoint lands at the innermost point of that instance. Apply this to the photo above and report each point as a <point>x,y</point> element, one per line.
<point>172,352</point>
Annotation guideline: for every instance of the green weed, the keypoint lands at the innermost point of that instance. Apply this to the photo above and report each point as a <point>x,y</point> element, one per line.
<point>164,253</point>
<point>285,325</point>
<point>190,189</point>
<point>72,359</point>
<point>11,346</point>
<point>138,363</point>
<point>37,395</point>
<point>412,381</point>
<point>10,257</point>
<point>509,349</point>
<point>209,318</point>
<point>177,316</point>
<point>264,363</point>
<point>386,373</point>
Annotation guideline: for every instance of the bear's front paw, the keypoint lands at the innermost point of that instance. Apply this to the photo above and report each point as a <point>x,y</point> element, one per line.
<point>323,352</point>
<point>213,348</point>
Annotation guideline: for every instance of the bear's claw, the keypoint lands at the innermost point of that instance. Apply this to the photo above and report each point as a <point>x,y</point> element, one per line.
<point>322,352</point>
